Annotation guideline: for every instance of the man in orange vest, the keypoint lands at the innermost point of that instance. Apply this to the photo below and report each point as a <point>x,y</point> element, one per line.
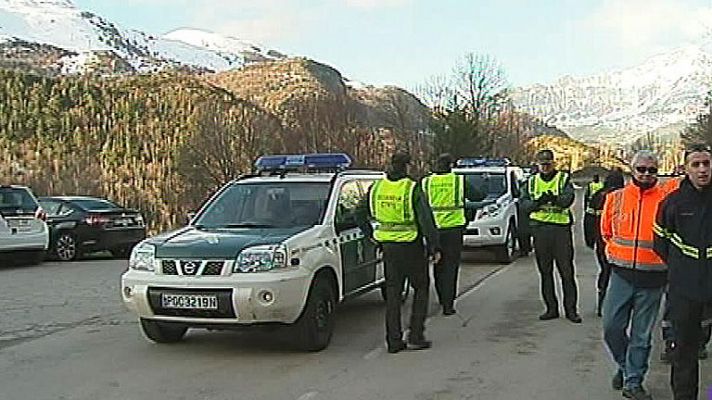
<point>638,274</point>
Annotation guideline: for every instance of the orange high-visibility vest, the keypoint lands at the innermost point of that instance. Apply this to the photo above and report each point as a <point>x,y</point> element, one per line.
<point>627,227</point>
<point>671,184</point>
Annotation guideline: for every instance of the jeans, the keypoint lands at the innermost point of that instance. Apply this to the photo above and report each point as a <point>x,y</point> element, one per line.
<point>627,305</point>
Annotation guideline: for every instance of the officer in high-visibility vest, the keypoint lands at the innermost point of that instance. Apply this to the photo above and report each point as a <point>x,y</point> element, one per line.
<point>594,186</point>
<point>403,218</point>
<point>547,198</point>
<point>447,194</point>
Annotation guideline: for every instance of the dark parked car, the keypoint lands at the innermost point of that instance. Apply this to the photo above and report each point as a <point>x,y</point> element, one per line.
<point>80,225</point>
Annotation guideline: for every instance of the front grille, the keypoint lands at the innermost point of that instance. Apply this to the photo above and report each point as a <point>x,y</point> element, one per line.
<point>193,267</point>
<point>213,267</point>
<point>169,267</point>
<point>225,309</point>
<point>472,231</point>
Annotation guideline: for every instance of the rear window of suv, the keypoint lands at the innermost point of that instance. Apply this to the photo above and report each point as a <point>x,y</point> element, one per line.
<point>14,201</point>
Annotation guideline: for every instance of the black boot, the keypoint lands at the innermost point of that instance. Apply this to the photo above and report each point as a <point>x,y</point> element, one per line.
<point>601,296</point>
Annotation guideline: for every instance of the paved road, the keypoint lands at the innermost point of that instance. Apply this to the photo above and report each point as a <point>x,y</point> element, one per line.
<point>65,335</point>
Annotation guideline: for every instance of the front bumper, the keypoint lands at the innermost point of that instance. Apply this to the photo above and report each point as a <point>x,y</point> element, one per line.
<point>486,232</point>
<point>243,298</point>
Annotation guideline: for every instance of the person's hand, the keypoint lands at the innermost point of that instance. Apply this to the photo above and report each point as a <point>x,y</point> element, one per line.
<point>436,257</point>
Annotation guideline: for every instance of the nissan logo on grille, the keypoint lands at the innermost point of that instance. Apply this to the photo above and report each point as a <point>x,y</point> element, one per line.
<point>189,267</point>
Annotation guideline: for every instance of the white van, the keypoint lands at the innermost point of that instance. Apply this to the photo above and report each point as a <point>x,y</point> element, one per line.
<point>495,225</point>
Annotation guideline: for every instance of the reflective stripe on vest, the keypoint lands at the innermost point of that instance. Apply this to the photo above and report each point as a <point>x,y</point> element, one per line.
<point>445,193</point>
<point>685,249</point>
<point>391,205</point>
<point>633,228</point>
<point>549,214</point>
<point>593,211</point>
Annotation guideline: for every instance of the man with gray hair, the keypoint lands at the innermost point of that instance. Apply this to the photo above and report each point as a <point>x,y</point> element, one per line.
<point>638,274</point>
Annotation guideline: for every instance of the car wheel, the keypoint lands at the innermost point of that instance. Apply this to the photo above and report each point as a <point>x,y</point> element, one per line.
<point>65,247</point>
<point>316,325</point>
<point>161,332</point>
<point>506,252</point>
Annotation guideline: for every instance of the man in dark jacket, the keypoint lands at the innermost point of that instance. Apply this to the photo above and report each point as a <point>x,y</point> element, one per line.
<point>547,199</point>
<point>683,239</point>
<point>592,232</point>
<point>403,218</point>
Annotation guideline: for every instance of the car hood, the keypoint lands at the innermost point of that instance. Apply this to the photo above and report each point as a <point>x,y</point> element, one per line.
<point>191,242</point>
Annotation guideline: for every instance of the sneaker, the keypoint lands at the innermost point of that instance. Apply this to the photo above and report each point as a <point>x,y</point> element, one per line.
<point>449,310</point>
<point>636,393</point>
<point>617,381</point>
<point>549,315</point>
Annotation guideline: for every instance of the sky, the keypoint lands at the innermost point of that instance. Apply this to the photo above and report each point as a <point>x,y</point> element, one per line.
<point>406,42</point>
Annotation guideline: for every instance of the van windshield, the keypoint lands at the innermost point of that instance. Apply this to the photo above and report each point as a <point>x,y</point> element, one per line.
<point>267,205</point>
<point>493,184</point>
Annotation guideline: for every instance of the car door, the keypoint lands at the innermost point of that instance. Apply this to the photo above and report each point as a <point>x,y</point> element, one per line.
<point>358,270</point>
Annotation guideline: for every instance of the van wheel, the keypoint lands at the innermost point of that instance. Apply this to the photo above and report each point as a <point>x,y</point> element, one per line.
<point>65,247</point>
<point>316,325</point>
<point>161,332</point>
<point>505,253</point>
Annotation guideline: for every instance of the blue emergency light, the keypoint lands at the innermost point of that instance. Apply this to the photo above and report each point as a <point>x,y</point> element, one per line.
<point>318,161</point>
<point>483,162</point>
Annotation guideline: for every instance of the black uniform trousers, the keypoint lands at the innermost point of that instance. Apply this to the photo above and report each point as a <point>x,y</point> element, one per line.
<point>554,243</point>
<point>604,275</point>
<point>686,316</point>
<point>403,260</point>
<point>447,270</point>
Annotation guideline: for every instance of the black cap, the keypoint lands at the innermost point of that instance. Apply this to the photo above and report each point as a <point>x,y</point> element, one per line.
<point>545,155</point>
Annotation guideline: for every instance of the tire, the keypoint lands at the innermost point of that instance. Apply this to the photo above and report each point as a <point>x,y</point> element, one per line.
<point>65,247</point>
<point>161,332</point>
<point>506,252</point>
<point>316,324</point>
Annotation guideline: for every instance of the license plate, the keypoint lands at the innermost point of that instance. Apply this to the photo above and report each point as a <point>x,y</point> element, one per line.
<point>189,301</point>
<point>124,222</point>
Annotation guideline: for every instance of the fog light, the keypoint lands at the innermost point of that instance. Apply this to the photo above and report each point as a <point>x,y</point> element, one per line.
<point>495,231</point>
<point>266,296</point>
<point>127,291</point>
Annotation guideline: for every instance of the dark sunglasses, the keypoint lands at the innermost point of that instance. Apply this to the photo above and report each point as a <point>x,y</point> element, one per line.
<point>650,170</point>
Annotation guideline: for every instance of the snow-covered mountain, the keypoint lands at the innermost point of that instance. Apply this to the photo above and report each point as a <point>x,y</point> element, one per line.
<point>659,96</point>
<point>79,37</point>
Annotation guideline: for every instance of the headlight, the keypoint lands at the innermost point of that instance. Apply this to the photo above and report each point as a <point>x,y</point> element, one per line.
<point>261,258</point>
<point>142,257</point>
<point>490,211</point>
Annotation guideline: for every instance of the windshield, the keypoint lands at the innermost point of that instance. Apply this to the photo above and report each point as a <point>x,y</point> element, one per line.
<point>493,184</point>
<point>15,201</point>
<point>267,205</point>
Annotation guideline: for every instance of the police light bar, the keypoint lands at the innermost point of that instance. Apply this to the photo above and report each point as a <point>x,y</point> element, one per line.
<point>325,161</point>
<point>483,162</point>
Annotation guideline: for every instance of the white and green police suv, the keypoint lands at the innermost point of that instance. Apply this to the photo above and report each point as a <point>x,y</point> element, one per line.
<point>279,247</point>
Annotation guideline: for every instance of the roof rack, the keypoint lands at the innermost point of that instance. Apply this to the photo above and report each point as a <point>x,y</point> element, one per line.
<point>483,162</point>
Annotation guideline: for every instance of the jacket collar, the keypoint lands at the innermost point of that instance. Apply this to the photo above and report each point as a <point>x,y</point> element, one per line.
<point>635,190</point>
